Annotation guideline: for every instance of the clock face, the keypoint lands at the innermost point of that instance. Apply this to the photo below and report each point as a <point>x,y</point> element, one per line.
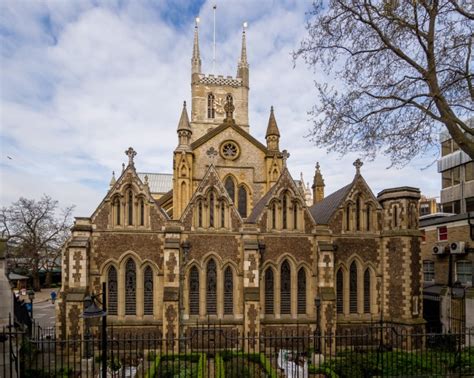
<point>219,103</point>
<point>229,150</point>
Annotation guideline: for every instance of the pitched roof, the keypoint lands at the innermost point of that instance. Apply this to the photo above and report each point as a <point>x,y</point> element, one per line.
<point>158,182</point>
<point>259,206</point>
<point>322,211</point>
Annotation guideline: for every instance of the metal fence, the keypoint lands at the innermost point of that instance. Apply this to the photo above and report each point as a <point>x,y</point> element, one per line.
<point>216,350</point>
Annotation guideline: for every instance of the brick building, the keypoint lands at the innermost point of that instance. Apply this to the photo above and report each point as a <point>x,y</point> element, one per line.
<point>230,236</point>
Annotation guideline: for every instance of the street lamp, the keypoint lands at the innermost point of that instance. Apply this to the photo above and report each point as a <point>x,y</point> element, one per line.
<point>92,311</point>
<point>31,297</point>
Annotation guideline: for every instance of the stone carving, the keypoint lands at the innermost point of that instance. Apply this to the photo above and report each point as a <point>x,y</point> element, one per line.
<point>171,265</point>
<point>77,266</point>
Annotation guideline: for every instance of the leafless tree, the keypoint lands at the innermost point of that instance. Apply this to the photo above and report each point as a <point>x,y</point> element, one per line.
<point>36,231</point>
<point>401,70</point>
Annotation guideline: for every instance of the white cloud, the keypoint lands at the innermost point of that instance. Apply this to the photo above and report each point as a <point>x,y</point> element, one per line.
<point>99,78</point>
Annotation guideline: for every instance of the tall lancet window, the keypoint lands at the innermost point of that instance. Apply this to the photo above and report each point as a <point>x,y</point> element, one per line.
<point>148,291</point>
<point>130,288</point>
<point>269,286</point>
<point>211,288</point>
<point>340,291</point>
<point>285,212</point>
<point>285,288</point>
<point>242,202</point>
<point>367,291</point>
<point>301,291</point>
<point>142,212</point>
<point>211,209</point>
<point>222,214</point>
<point>210,106</point>
<point>358,214</point>
<point>228,291</point>
<point>117,211</point>
<point>274,215</point>
<point>130,208</point>
<point>367,217</point>
<point>295,215</point>
<point>112,291</point>
<point>353,288</point>
<point>230,187</point>
<point>194,291</point>
<point>200,214</point>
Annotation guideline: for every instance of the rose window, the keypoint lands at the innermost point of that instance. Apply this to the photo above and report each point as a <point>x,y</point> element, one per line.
<point>229,150</point>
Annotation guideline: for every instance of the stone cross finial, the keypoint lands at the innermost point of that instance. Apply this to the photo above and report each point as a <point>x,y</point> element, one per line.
<point>123,167</point>
<point>131,153</point>
<point>358,164</point>
<point>285,154</point>
<point>317,166</point>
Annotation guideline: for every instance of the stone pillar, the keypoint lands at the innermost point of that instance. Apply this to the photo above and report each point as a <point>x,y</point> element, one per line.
<point>171,268</point>
<point>251,293</point>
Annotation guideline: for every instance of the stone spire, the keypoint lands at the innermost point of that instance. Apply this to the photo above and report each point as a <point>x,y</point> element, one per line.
<point>112,180</point>
<point>243,66</point>
<point>196,59</point>
<point>273,134</point>
<point>318,185</point>
<point>184,128</point>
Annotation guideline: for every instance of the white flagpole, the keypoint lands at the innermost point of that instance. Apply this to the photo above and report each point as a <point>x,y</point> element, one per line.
<point>214,44</point>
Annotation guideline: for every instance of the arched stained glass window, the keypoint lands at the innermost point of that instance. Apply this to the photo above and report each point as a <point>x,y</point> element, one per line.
<point>348,218</point>
<point>358,214</point>
<point>230,187</point>
<point>112,291</point>
<point>130,288</point>
<point>130,208</point>
<point>117,211</point>
<point>285,288</point>
<point>243,202</point>
<point>295,215</point>
<point>285,214</point>
<point>367,291</point>
<point>211,209</point>
<point>274,215</point>
<point>367,217</point>
<point>228,291</point>
<point>222,215</point>
<point>210,106</point>
<point>301,291</point>
<point>142,212</point>
<point>340,291</point>
<point>200,214</point>
<point>193,291</point>
<point>211,288</point>
<point>148,291</point>
<point>269,286</point>
<point>353,288</point>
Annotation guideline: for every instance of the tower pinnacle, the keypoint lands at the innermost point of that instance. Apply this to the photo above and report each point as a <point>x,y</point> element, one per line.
<point>196,59</point>
<point>318,185</point>
<point>273,134</point>
<point>184,128</point>
<point>243,66</point>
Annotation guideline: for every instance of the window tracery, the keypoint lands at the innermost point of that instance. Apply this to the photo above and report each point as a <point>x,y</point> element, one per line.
<point>130,287</point>
<point>193,291</point>
<point>228,291</point>
<point>285,288</point>
<point>112,296</point>
<point>211,288</point>
<point>148,291</point>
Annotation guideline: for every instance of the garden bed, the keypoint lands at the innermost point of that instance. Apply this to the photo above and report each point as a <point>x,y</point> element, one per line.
<point>191,365</point>
<point>243,365</point>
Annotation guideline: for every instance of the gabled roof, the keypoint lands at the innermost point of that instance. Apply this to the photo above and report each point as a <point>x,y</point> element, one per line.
<point>158,182</point>
<point>221,128</point>
<point>260,205</point>
<point>323,211</point>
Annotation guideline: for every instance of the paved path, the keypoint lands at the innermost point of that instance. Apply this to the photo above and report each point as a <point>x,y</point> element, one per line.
<point>43,309</point>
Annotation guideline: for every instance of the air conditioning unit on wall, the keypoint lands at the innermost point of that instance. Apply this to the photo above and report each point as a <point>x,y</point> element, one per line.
<point>457,247</point>
<point>438,249</point>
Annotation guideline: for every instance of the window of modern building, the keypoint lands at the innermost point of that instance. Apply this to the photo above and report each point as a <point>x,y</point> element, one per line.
<point>269,283</point>
<point>452,207</point>
<point>428,271</point>
<point>130,288</point>
<point>446,179</point>
<point>446,147</point>
<point>285,288</point>
<point>470,204</point>
<point>464,272</point>
<point>148,291</point>
<point>194,291</point>
<point>469,171</point>
<point>112,296</point>
<point>442,233</point>
<point>456,175</point>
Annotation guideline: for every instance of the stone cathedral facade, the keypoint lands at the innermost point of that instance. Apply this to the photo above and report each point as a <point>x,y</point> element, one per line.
<point>231,238</point>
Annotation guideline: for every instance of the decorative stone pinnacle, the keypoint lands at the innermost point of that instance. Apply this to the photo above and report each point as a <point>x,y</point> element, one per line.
<point>146,179</point>
<point>131,153</point>
<point>317,166</point>
<point>358,164</point>
<point>112,180</point>
<point>123,167</point>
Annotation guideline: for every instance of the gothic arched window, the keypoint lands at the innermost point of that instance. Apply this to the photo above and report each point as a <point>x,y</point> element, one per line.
<point>274,215</point>
<point>284,206</point>
<point>367,291</point>
<point>340,291</point>
<point>130,208</point>
<point>222,215</point>
<point>230,187</point>
<point>200,214</point>
<point>269,286</point>
<point>348,217</point>
<point>353,288</point>
<point>112,291</point>
<point>242,202</point>
<point>117,211</point>
<point>301,291</point>
<point>211,288</point>
<point>367,218</point>
<point>193,291</point>
<point>142,212</point>
<point>358,213</point>
<point>210,106</point>
<point>295,215</point>
<point>285,288</point>
<point>211,209</point>
<point>130,288</point>
<point>228,291</point>
<point>148,291</point>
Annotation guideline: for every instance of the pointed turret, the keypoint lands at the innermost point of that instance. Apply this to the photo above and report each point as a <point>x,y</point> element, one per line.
<point>196,59</point>
<point>318,186</point>
<point>273,134</point>
<point>243,66</point>
<point>184,129</point>
<point>112,180</point>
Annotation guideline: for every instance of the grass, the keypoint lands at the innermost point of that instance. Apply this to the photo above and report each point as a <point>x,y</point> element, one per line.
<point>230,364</point>
<point>191,365</point>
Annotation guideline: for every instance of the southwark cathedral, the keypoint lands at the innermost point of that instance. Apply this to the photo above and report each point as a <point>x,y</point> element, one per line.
<point>230,238</point>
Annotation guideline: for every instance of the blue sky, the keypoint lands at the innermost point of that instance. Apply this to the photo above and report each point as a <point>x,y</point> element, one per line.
<point>83,80</point>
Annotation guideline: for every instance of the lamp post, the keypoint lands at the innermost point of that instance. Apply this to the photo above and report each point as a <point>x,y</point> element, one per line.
<point>91,310</point>
<point>31,297</point>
